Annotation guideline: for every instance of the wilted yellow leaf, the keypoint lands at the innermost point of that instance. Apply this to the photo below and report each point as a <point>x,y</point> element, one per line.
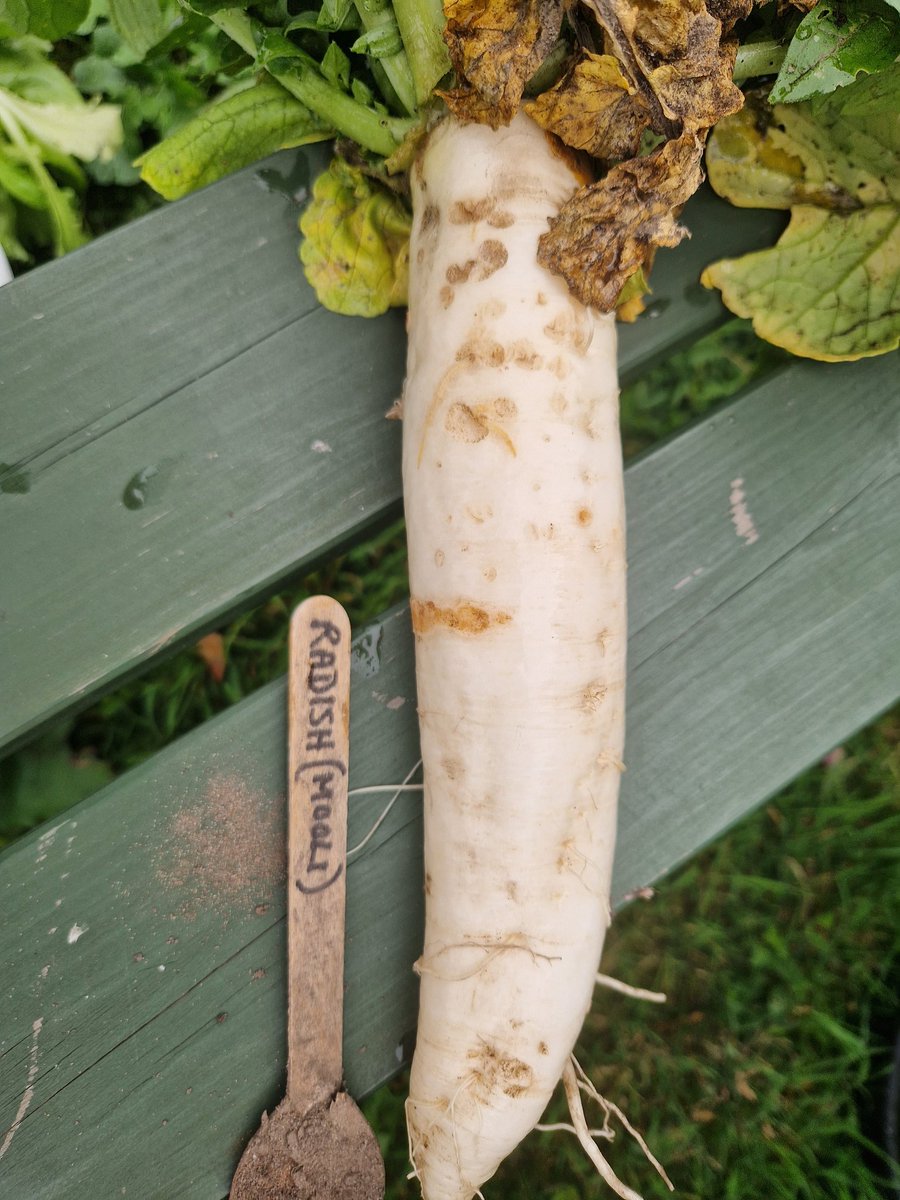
<point>594,108</point>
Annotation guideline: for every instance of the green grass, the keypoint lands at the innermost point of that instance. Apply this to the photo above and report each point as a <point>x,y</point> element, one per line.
<point>763,1075</point>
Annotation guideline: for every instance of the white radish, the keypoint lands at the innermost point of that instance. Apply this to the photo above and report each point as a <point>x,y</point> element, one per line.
<point>514,504</point>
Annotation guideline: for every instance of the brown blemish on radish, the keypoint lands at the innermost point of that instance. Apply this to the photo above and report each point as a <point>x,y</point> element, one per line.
<point>439,558</point>
<point>512,889</point>
<point>584,516</point>
<point>490,574</point>
<point>446,296</point>
<point>462,618</point>
<point>593,696</point>
<point>543,1048</point>
<point>454,768</point>
<point>473,423</point>
<point>494,1072</point>
<point>463,423</point>
<point>490,257</point>
<point>569,328</point>
<point>470,212</point>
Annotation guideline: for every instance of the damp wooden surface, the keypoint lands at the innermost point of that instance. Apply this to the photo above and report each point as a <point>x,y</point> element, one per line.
<point>182,428</point>
<point>142,964</point>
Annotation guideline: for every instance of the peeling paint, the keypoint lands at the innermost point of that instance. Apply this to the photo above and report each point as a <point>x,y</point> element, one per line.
<point>741,519</point>
<point>28,1094</point>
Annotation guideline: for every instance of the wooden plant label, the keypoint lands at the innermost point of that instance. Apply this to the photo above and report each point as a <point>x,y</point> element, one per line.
<point>318,763</point>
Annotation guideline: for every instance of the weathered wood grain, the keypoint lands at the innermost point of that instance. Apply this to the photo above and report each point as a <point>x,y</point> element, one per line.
<point>184,428</point>
<point>764,629</point>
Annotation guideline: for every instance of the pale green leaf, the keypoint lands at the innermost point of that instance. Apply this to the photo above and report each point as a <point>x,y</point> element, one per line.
<point>355,250</point>
<point>87,131</point>
<point>830,288</point>
<point>836,42</point>
<point>227,136</point>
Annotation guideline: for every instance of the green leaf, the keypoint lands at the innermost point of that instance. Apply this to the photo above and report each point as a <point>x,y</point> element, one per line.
<point>228,135</point>
<point>837,41</point>
<point>44,780</point>
<point>336,67</point>
<point>50,19</point>
<point>355,250</point>
<point>9,238</point>
<point>141,23</point>
<point>828,289</point>
<point>379,43</point>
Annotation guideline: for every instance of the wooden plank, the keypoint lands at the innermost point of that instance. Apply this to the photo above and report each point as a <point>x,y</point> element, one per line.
<point>143,988</point>
<point>186,428</point>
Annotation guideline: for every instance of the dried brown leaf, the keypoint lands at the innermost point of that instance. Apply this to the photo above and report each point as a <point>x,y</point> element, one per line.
<point>675,51</point>
<point>609,230</point>
<point>594,108</point>
<point>496,46</point>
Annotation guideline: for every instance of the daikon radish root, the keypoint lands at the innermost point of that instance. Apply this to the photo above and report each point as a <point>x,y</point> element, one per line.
<point>514,505</point>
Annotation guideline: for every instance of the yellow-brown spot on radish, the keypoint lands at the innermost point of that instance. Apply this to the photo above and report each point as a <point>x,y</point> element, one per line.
<point>492,255</point>
<point>603,639</point>
<point>460,272</point>
<point>558,366</point>
<point>431,218</point>
<point>543,1048</point>
<point>504,407</point>
<point>439,558</point>
<point>446,296</point>
<point>541,299</point>
<point>454,768</point>
<point>468,212</point>
<point>523,354</point>
<point>584,516</point>
<point>559,403</point>
<point>427,883</point>
<point>512,889</point>
<point>481,352</point>
<point>465,424</point>
<point>493,1071</point>
<point>593,696</point>
<point>571,328</point>
<point>462,618</point>
<point>490,574</point>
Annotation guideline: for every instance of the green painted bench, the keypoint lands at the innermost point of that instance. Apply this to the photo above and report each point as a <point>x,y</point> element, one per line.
<point>185,430</point>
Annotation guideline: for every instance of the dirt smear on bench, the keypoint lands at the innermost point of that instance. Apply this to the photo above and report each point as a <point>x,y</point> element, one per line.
<point>225,853</point>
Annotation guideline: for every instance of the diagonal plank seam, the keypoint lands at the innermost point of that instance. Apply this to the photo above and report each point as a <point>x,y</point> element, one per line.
<point>116,424</point>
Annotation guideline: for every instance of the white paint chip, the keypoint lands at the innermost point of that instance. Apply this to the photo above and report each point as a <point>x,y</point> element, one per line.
<point>320,447</point>
<point>75,933</point>
<point>740,514</point>
<point>28,1094</point>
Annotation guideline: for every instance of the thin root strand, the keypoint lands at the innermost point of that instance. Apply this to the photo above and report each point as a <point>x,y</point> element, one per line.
<point>616,985</point>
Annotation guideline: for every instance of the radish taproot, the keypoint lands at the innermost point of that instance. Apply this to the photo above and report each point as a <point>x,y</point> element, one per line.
<point>512,480</point>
